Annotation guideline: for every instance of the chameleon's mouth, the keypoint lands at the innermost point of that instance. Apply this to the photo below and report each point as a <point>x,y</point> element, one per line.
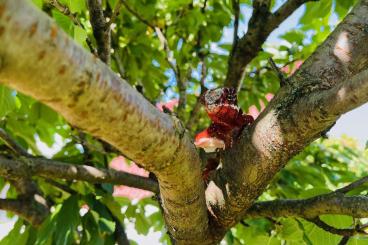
<point>208,143</point>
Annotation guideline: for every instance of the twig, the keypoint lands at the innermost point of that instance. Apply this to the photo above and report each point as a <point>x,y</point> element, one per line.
<point>136,14</point>
<point>353,185</point>
<point>236,7</point>
<point>344,240</point>
<point>115,13</point>
<point>280,75</point>
<point>120,235</point>
<point>193,118</point>
<point>65,10</point>
<point>101,30</point>
<point>12,144</point>
<point>60,186</point>
<point>343,232</point>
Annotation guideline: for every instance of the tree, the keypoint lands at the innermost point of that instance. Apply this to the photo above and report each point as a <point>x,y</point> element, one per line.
<point>97,92</point>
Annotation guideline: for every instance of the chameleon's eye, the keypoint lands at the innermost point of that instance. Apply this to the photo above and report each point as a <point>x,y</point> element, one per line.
<point>213,96</point>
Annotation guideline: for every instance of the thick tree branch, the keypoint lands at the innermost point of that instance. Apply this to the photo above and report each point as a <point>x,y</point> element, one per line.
<point>51,169</point>
<point>311,208</point>
<point>101,30</point>
<point>331,82</point>
<point>92,97</point>
<point>334,203</point>
<point>30,211</point>
<point>260,26</point>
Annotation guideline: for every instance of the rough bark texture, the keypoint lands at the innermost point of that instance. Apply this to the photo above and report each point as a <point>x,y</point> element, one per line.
<point>334,203</point>
<point>38,59</point>
<point>59,73</point>
<point>58,170</point>
<point>331,82</point>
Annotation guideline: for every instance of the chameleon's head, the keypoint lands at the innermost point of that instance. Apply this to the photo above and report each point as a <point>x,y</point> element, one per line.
<point>219,96</point>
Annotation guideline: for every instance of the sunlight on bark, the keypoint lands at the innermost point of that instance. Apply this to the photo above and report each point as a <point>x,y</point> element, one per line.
<point>342,48</point>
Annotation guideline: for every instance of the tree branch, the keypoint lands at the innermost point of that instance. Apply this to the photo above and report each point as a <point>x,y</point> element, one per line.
<point>30,211</point>
<point>236,8</point>
<point>51,169</point>
<point>194,114</point>
<point>260,26</point>
<point>73,17</point>
<point>311,208</point>
<point>332,203</point>
<point>12,144</point>
<point>353,185</point>
<point>342,232</point>
<point>115,13</point>
<point>28,192</point>
<point>101,30</point>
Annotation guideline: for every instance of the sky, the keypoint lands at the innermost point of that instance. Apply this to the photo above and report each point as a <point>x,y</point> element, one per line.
<point>353,124</point>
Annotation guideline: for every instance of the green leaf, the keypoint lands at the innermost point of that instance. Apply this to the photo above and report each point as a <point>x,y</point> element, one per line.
<point>67,221</point>
<point>91,233</point>
<point>141,224</point>
<point>38,3</point>
<point>18,235</point>
<point>77,6</point>
<point>318,236</point>
<point>316,10</point>
<point>7,101</point>
<point>80,35</point>
<point>64,22</point>
<point>106,225</point>
<point>290,230</point>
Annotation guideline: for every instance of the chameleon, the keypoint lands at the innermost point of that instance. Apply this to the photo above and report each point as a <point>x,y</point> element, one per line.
<point>227,122</point>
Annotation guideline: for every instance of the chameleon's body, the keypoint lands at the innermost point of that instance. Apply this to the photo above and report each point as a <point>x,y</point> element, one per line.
<point>228,120</point>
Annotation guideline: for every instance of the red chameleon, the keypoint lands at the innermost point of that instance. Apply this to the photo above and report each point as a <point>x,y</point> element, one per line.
<point>228,121</point>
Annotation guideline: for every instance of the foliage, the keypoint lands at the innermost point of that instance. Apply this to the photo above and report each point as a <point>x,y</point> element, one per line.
<point>194,35</point>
